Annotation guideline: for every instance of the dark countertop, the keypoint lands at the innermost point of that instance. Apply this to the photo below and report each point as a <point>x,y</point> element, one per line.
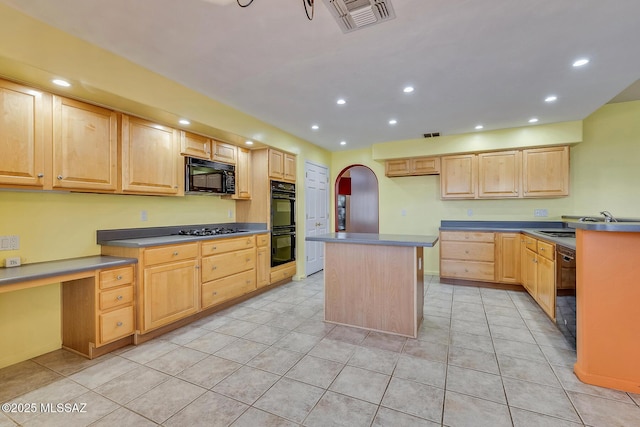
<point>624,227</point>
<point>531,228</point>
<point>158,236</point>
<point>51,269</point>
<point>376,239</point>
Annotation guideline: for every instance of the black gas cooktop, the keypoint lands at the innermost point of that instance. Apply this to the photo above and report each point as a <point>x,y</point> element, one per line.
<point>208,231</point>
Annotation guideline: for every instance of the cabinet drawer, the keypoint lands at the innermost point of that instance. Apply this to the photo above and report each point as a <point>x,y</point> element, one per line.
<point>221,290</point>
<point>531,243</point>
<point>218,266</point>
<point>467,236</point>
<point>116,297</point>
<point>227,245</point>
<point>282,273</point>
<point>472,251</point>
<point>116,324</point>
<point>262,240</point>
<point>547,250</point>
<point>116,277</point>
<point>164,254</point>
<point>472,270</point>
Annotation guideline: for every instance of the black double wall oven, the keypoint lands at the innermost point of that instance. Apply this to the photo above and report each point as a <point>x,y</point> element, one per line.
<point>283,222</point>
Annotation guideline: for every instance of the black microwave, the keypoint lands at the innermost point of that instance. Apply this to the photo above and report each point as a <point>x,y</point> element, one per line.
<point>207,177</point>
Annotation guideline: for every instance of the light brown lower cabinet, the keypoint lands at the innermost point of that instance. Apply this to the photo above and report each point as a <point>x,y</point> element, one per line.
<point>177,281</point>
<point>467,255</point>
<point>97,311</point>
<point>539,273</point>
<point>508,258</point>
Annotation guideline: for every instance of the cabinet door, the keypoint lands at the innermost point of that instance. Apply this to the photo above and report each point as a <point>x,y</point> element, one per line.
<point>85,146</point>
<point>499,174</point>
<point>22,135</point>
<point>546,172</point>
<point>263,266</point>
<point>223,152</point>
<point>508,258</point>
<point>530,272</point>
<point>195,145</point>
<point>289,173</point>
<point>150,159</point>
<point>276,164</point>
<point>459,177</point>
<point>425,166</point>
<point>401,167</point>
<point>170,292</point>
<point>546,296</point>
<point>243,177</point>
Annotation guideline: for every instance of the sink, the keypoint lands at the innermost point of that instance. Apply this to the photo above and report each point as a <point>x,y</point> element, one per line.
<point>559,233</point>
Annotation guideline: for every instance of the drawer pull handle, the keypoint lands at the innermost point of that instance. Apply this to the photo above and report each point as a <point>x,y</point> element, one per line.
<point>59,177</point>
<point>248,259</point>
<point>215,293</point>
<point>466,252</point>
<point>248,241</point>
<point>118,277</point>
<point>175,253</point>
<point>214,267</point>
<point>542,249</point>
<point>119,324</point>
<point>119,297</point>
<point>214,248</point>
<point>40,175</point>
<point>248,281</point>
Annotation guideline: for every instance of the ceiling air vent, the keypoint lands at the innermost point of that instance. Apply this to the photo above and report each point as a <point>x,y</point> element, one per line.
<point>355,14</point>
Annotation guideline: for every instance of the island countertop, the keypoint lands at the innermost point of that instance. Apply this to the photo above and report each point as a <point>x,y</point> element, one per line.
<point>411,240</point>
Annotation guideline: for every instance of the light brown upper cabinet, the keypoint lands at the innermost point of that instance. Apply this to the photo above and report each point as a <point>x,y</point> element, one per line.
<point>412,167</point>
<point>499,174</point>
<point>25,116</point>
<point>459,177</point>
<point>546,172</point>
<point>243,177</point>
<point>282,166</point>
<point>85,146</point>
<point>193,145</point>
<point>536,172</point>
<point>151,163</point>
<point>223,152</point>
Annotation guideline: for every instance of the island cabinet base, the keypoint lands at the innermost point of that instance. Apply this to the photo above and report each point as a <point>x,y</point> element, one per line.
<point>375,287</point>
<point>608,319</point>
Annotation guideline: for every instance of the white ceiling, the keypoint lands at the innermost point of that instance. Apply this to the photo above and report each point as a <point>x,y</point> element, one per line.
<point>485,61</point>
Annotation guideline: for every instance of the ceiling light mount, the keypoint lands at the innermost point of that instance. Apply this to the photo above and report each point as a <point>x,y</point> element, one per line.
<point>309,7</point>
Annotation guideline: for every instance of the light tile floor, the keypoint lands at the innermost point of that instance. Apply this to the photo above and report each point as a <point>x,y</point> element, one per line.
<point>483,357</point>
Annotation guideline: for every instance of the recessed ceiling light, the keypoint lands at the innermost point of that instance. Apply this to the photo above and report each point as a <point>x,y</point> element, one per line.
<point>393,121</point>
<point>581,62</point>
<point>478,127</point>
<point>408,89</point>
<point>61,82</point>
<point>249,142</point>
<point>341,101</point>
<point>315,127</point>
<point>551,98</point>
<point>343,142</point>
<point>533,120</point>
<point>184,122</point>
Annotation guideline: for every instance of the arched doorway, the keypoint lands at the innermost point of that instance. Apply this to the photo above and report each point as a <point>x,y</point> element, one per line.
<point>356,202</point>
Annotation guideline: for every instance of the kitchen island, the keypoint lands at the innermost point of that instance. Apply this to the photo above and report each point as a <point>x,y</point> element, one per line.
<point>374,281</point>
<point>607,295</point>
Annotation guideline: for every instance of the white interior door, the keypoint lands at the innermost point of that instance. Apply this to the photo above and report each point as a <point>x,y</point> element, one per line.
<point>316,214</point>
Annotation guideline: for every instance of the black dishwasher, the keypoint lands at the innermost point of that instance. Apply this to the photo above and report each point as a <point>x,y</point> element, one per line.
<point>566,293</point>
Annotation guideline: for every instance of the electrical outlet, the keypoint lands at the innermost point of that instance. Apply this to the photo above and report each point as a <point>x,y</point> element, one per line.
<point>143,216</point>
<point>469,212</point>
<point>12,262</point>
<point>9,243</point>
<point>230,213</point>
<point>403,212</point>
<point>540,212</point>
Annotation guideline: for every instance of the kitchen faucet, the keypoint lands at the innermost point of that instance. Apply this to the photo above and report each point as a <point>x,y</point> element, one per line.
<point>608,217</point>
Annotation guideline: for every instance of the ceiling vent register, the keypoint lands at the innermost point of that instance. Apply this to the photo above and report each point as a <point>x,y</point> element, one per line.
<point>352,15</point>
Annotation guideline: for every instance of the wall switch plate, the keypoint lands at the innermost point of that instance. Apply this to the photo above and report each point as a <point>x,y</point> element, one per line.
<point>403,212</point>
<point>469,212</point>
<point>540,212</point>
<point>12,262</point>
